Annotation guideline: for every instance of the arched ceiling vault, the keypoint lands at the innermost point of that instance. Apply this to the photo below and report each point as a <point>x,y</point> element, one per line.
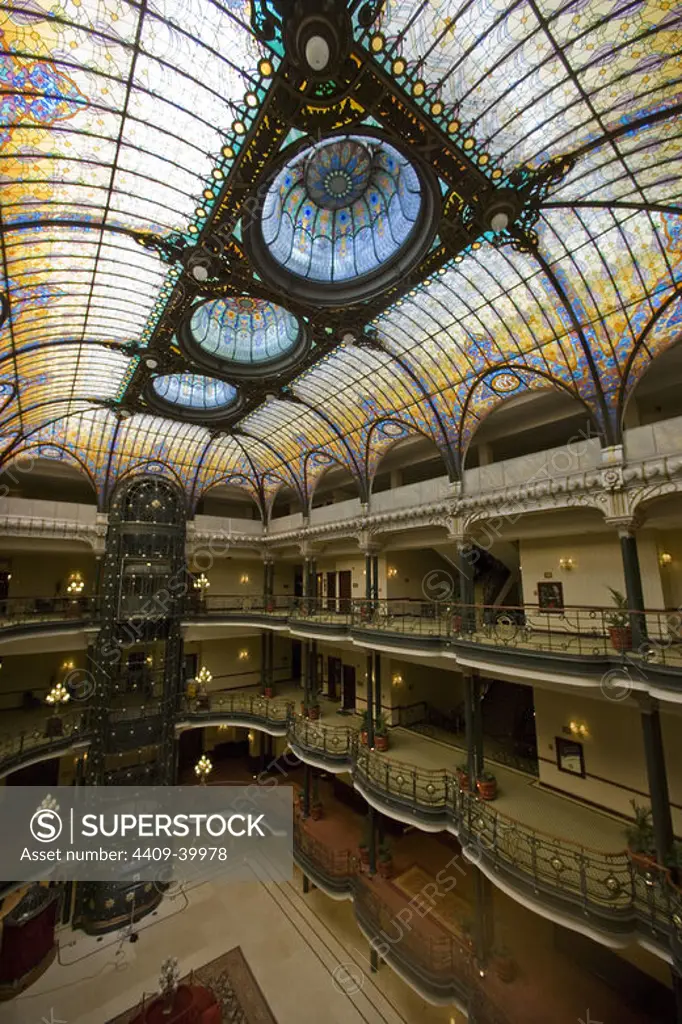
<point>138,141</point>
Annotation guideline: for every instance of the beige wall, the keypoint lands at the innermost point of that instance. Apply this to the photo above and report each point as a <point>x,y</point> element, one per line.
<point>436,686</point>
<point>670,541</point>
<point>356,565</point>
<point>598,565</point>
<point>38,573</point>
<point>225,574</point>
<point>413,566</point>
<point>37,672</point>
<point>229,671</point>
<point>613,751</point>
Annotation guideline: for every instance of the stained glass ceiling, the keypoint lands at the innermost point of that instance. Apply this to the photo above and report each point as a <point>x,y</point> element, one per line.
<point>120,122</point>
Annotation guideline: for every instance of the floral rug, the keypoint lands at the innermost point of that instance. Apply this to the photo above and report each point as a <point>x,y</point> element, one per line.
<point>230,979</point>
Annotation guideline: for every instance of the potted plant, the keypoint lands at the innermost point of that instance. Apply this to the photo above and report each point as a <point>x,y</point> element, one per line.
<point>620,630</point>
<point>462,772</point>
<point>364,728</point>
<point>506,967</point>
<point>269,692</point>
<point>385,860</point>
<point>313,712</point>
<point>381,734</point>
<point>486,784</point>
<point>640,838</point>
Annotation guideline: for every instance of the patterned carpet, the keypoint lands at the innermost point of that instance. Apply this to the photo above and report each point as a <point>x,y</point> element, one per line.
<point>230,979</point>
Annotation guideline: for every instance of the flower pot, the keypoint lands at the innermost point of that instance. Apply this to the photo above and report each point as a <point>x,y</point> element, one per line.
<point>621,637</point>
<point>487,790</point>
<point>463,781</point>
<point>314,713</point>
<point>364,856</point>
<point>316,811</point>
<point>385,868</point>
<point>643,863</point>
<point>506,969</point>
<point>269,692</point>
<point>363,737</point>
<point>381,743</point>
<point>456,623</point>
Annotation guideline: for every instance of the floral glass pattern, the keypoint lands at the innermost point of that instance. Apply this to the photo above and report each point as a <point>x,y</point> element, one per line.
<point>341,209</point>
<point>244,329</point>
<point>193,391</point>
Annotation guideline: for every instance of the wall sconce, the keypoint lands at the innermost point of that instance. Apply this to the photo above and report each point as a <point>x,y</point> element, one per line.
<point>391,572</point>
<point>202,583</point>
<point>68,666</point>
<point>75,584</point>
<point>397,679</point>
<point>149,660</point>
<point>567,564</point>
<point>244,578</point>
<point>578,729</point>
<point>665,558</point>
<point>243,654</point>
<point>252,737</point>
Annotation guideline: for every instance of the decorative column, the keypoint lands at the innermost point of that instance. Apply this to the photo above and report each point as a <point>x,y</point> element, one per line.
<point>377,686</point>
<point>368,577</point>
<point>372,839</point>
<point>307,788</point>
<point>633,585</point>
<point>370,702</point>
<point>375,578</point>
<point>466,572</point>
<point>477,724</point>
<point>469,728</point>
<point>658,779</point>
<point>484,923</point>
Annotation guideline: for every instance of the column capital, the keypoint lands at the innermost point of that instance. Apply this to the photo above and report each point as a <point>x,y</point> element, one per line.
<point>368,543</point>
<point>647,704</point>
<point>625,525</point>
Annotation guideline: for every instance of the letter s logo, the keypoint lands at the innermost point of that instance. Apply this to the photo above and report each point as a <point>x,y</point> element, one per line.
<point>46,825</point>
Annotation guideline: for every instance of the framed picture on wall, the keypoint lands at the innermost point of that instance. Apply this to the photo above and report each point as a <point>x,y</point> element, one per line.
<point>570,757</point>
<point>551,596</point>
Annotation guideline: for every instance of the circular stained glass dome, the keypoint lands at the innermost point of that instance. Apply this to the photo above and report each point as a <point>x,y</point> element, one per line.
<point>244,330</point>
<point>344,218</point>
<point>194,392</point>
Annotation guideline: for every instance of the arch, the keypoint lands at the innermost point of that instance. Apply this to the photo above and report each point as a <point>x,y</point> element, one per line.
<point>145,470</point>
<point>145,498</point>
<point>501,385</point>
<point>270,485</point>
<point>384,436</point>
<point>237,482</point>
<point>317,464</point>
<point>652,342</point>
<point>48,451</point>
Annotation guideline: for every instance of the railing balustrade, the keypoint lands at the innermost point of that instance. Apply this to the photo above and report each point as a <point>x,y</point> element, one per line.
<point>51,732</point>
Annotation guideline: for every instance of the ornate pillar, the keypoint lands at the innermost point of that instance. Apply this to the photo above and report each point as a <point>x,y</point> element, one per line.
<point>654,753</point>
<point>633,586</point>
<point>372,839</point>
<point>477,726</point>
<point>377,687</point>
<point>370,701</point>
<point>469,728</point>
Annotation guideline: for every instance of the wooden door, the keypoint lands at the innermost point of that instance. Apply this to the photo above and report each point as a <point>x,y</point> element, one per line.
<point>349,686</point>
<point>345,590</point>
<point>334,677</point>
<point>331,591</point>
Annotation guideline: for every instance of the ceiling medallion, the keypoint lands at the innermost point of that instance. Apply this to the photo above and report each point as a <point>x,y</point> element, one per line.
<point>343,219</point>
<point>504,383</point>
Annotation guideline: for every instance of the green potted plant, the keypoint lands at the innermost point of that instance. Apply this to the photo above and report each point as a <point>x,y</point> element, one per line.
<point>640,838</point>
<point>381,734</point>
<point>385,860</point>
<point>620,630</point>
<point>462,772</point>
<point>506,967</point>
<point>364,727</point>
<point>486,784</point>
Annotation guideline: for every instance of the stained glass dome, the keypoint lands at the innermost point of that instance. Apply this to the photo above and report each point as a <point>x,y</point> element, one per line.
<point>244,330</point>
<point>194,392</point>
<point>341,212</point>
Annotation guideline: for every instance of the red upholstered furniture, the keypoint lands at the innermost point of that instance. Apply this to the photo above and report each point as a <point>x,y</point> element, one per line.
<point>191,1006</point>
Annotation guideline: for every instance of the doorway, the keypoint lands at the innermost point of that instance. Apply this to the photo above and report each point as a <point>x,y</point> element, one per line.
<point>349,687</point>
<point>331,591</point>
<point>345,591</point>
<point>334,677</point>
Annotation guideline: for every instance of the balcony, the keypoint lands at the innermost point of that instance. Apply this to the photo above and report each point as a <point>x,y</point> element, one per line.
<point>36,737</point>
<point>520,842</point>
